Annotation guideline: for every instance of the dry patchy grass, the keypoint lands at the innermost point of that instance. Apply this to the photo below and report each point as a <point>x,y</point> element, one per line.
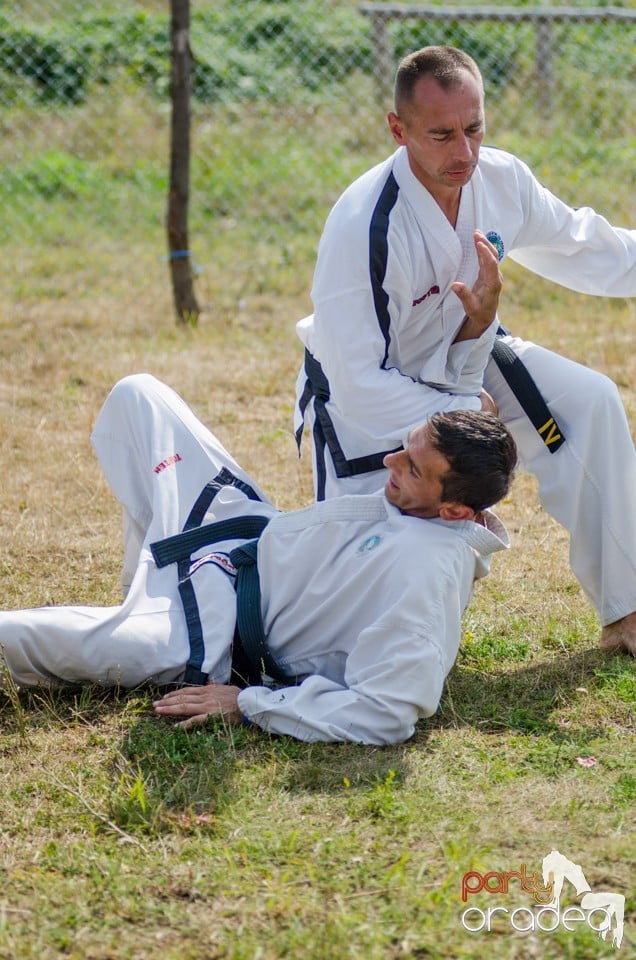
<point>122,837</point>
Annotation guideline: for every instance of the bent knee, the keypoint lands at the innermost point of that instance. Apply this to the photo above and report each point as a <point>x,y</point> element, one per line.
<point>134,384</point>
<point>600,390</point>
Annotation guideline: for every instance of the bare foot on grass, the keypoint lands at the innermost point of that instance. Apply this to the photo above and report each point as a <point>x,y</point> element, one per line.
<point>620,635</point>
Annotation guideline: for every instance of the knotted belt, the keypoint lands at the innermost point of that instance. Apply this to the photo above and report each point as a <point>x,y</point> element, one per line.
<point>250,654</point>
<point>249,622</point>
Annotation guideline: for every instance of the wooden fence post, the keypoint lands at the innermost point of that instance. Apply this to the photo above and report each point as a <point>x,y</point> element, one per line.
<point>177,216</point>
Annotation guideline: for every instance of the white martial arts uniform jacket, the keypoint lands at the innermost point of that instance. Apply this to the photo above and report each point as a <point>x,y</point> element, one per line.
<point>383,327</point>
<point>368,602</point>
<point>364,600</point>
<point>385,316</point>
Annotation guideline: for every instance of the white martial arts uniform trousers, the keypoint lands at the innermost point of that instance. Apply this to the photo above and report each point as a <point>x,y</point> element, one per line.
<point>589,484</point>
<point>157,457</point>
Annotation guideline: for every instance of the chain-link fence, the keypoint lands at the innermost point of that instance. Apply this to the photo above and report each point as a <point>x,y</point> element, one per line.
<point>289,99</point>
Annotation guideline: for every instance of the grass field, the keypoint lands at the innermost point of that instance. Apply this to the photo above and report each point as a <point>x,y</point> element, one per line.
<point>123,838</point>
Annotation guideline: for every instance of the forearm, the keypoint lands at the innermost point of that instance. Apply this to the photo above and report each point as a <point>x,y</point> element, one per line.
<point>321,710</point>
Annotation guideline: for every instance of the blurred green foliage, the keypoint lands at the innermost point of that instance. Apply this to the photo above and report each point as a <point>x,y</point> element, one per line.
<point>278,49</point>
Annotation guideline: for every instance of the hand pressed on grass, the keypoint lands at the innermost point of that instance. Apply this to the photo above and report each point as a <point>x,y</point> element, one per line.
<point>199,703</point>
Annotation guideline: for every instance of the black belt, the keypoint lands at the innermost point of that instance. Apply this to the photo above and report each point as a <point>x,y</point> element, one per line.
<point>258,658</point>
<point>317,386</point>
<point>181,546</point>
<point>528,394</point>
<point>250,654</point>
<point>512,369</point>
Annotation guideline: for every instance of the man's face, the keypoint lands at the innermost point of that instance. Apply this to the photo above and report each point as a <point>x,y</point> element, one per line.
<point>415,479</point>
<point>442,131</point>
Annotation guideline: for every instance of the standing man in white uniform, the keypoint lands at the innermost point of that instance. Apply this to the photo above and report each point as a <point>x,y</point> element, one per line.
<point>402,325</point>
<point>359,601</point>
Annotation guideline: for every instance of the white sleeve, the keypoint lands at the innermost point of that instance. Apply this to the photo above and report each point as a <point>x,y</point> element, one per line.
<point>394,675</point>
<point>576,248</point>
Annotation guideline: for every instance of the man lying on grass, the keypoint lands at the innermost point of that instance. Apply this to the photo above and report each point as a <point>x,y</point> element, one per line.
<point>336,622</point>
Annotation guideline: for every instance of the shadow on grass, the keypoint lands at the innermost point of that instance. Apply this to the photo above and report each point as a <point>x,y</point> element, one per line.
<point>165,778</point>
<point>527,698</point>
<point>27,710</point>
<point>213,760</point>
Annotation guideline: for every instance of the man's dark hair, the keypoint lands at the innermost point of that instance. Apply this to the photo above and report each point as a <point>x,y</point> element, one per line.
<point>444,64</point>
<point>482,456</point>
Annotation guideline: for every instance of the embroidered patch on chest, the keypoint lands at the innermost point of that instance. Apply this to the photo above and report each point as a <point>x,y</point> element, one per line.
<point>429,293</point>
<point>493,237</point>
<point>369,544</point>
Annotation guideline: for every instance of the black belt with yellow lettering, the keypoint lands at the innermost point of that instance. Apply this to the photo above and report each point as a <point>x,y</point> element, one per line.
<point>528,394</point>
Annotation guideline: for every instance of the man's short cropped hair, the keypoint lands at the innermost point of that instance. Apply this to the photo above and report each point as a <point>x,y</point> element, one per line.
<point>482,455</point>
<point>444,64</point>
